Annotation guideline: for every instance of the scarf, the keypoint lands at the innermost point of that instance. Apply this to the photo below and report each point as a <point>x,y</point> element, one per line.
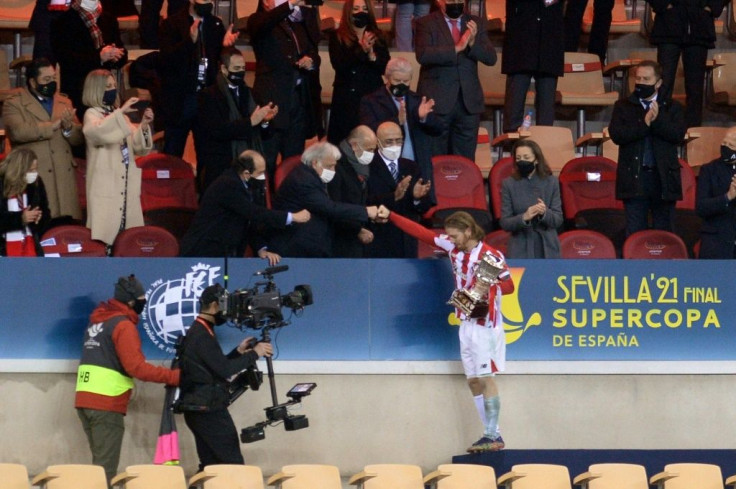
<point>90,20</point>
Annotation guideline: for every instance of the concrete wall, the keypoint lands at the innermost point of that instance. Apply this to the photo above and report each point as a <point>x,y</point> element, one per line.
<point>419,419</point>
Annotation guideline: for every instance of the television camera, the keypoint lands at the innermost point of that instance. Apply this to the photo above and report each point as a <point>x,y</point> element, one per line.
<point>261,308</point>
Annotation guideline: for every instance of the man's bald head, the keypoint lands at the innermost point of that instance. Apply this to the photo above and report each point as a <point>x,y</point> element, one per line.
<point>389,132</point>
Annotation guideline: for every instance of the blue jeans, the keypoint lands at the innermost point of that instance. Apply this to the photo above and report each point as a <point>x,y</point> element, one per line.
<point>405,13</point>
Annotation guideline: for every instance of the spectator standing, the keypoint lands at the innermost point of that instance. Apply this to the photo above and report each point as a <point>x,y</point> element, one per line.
<point>284,35</point>
<point>228,119</point>
<point>715,203</point>
<point>533,47</point>
<point>150,18</point>
<point>191,41</point>
<point>113,178</point>
<point>685,28</point>
<point>24,209</point>
<point>395,183</point>
<point>350,186</point>
<point>531,209</point>
<point>449,45</point>
<point>358,54</point>
<point>85,38</point>
<point>407,13</point>
<point>602,17</point>
<point>415,115</point>
<point>648,127</point>
<point>43,120</point>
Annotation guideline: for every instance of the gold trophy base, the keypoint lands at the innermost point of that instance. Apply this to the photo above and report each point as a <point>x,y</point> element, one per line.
<point>471,306</point>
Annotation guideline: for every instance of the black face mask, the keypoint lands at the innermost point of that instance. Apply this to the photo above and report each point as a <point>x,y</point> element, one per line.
<point>109,97</point>
<point>728,155</point>
<point>525,168</point>
<point>203,9</point>
<point>644,91</point>
<point>47,90</point>
<point>219,318</point>
<point>399,90</point>
<point>454,10</point>
<point>361,19</point>
<point>236,77</point>
<point>139,305</point>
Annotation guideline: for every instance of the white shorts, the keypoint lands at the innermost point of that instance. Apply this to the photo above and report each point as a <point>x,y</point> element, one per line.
<point>482,349</point>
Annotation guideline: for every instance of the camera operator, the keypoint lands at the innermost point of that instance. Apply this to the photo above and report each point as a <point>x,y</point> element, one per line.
<point>204,376</point>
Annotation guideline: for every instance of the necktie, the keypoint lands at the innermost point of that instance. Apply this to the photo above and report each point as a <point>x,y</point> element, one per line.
<point>394,170</point>
<point>455,30</point>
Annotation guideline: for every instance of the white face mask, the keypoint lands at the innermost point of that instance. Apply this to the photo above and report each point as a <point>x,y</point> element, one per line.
<point>391,152</point>
<point>327,175</point>
<point>89,5</point>
<point>262,176</point>
<point>366,157</point>
<point>31,177</point>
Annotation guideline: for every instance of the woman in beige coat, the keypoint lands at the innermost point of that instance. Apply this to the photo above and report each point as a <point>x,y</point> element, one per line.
<point>113,179</point>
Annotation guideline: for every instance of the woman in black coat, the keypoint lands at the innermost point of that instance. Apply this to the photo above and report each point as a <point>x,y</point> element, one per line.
<point>24,207</point>
<point>533,48</point>
<point>687,28</point>
<point>358,55</point>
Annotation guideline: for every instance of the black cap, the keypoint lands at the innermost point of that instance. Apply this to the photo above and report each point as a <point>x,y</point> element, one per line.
<point>211,294</point>
<point>128,289</point>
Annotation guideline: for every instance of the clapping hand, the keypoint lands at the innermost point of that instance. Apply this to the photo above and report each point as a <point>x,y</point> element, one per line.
<point>473,29</point>
<point>147,119</point>
<point>402,187</point>
<point>421,188</point>
<point>230,37</point>
<point>538,209</point>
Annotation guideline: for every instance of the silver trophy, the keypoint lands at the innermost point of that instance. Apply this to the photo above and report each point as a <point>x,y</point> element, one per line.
<point>473,302</point>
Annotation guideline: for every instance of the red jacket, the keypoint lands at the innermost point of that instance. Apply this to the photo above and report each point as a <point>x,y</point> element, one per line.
<point>128,349</point>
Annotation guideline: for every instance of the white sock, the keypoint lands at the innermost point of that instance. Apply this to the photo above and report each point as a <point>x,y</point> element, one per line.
<point>480,406</point>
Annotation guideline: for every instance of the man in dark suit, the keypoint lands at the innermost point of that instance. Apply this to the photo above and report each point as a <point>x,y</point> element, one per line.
<point>306,188</point>
<point>85,38</point>
<point>533,47</point>
<point>350,186</point>
<point>284,35</point>
<point>648,129</point>
<point>228,119</point>
<point>191,41</point>
<point>228,219</point>
<point>396,183</point>
<point>449,44</point>
<point>414,114</point>
<point>715,202</point>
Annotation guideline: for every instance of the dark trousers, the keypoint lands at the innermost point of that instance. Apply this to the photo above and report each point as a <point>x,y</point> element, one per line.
<point>693,63</point>
<point>517,85</point>
<point>460,136</point>
<point>598,42</point>
<point>289,141</point>
<point>215,437</point>
<point>150,18</point>
<point>104,430</point>
<point>177,128</point>
<point>637,209</point>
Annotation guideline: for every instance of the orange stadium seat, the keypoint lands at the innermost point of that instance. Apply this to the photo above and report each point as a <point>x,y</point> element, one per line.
<point>14,476</point>
<point>71,477</point>
<point>461,476</point>
<point>613,476</point>
<point>307,477</point>
<point>536,476</point>
<point>228,476</point>
<point>688,476</point>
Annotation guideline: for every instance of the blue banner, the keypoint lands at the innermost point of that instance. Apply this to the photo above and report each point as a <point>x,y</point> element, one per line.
<point>378,310</point>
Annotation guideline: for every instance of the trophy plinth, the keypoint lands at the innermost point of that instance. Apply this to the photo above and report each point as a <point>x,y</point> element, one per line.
<point>473,302</point>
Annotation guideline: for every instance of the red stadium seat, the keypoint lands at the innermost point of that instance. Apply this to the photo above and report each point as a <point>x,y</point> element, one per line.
<point>586,244</point>
<point>499,172</point>
<point>689,187</point>
<point>588,182</point>
<point>168,181</point>
<point>145,241</point>
<point>175,220</point>
<point>654,244</point>
<point>283,170</point>
<point>72,240</point>
<point>498,239</point>
<point>458,185</point>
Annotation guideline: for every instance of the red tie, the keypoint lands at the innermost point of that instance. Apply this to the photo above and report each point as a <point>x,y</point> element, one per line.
<point>455,30</point>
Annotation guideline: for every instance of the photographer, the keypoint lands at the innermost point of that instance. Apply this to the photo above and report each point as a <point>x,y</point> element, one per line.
<point>204,372</point>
